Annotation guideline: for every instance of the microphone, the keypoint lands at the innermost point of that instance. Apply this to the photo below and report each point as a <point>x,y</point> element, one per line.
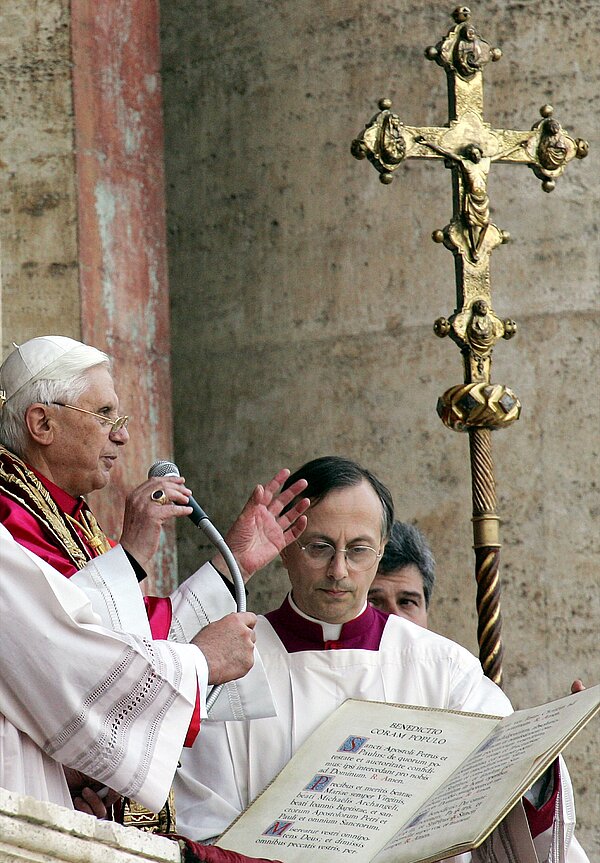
<point>201,520</point>
<point>167,468</point>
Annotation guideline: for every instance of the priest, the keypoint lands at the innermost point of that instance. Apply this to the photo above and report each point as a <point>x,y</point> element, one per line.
<point>404,580</point>
<point>61,435</point>
<point>326,644</point>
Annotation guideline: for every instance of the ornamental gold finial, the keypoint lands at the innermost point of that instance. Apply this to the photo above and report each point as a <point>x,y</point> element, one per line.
<point>469,147</point>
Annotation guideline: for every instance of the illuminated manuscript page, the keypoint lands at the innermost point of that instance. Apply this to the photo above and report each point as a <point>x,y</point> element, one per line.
<point>492,779</point>
<point>366,769</point>
<point>429,783</point>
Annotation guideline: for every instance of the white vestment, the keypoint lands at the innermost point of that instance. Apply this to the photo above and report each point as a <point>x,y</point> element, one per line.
<point>113,590</point>
<point>110,704</point>
<point>235,761</point>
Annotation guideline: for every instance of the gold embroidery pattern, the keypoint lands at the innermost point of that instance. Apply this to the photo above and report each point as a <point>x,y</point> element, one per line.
<point>91,530</point>
<point>136,815</point>
<point>22,485</point>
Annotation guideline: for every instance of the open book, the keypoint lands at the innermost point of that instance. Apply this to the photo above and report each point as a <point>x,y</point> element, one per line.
<point>391,783</point>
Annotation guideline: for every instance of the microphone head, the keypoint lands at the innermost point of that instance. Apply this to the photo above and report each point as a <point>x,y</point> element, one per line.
<point>163,468</point>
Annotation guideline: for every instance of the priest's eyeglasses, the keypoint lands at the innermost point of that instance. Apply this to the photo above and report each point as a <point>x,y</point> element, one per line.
<point>319,554</point>
<point>115,424</point>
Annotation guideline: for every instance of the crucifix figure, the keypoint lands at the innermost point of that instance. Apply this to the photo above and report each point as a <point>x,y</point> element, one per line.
<point>475,204</point>
<point>468,145</point>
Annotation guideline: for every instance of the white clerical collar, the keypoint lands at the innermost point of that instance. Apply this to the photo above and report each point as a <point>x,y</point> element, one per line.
<point>331,631</point>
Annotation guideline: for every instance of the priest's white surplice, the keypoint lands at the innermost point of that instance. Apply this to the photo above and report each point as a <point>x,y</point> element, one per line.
<point>235,761</point>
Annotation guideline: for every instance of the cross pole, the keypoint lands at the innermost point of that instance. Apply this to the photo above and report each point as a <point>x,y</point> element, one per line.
<point>469,146</point>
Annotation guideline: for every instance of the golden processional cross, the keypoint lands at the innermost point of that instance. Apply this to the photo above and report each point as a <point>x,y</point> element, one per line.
<point>468,146</point>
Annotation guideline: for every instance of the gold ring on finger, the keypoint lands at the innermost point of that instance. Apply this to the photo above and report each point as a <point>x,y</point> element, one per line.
<point>158,496</point>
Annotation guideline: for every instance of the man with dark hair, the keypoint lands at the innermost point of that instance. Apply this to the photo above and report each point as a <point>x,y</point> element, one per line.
<point>326,644</point>
<point>405,576</point>
<point>330,473</point>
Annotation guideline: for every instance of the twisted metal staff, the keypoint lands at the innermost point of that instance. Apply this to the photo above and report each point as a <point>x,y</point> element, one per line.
<point>468,145</point>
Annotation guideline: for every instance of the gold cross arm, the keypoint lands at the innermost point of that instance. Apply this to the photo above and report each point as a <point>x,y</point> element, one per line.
<point>387,141</point>
<point>546,148</point>
<point>469,145</point>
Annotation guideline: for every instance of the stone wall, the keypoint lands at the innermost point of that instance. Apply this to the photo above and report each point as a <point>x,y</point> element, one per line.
<point>82,224</point>
<point>36,832</point>
<point>303,294</point>
<point>40,291</point>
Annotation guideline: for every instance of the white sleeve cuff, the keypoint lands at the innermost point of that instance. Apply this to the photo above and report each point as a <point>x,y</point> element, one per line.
<point>202,672</point>
<point>201,599</point>
<point>112,587</point>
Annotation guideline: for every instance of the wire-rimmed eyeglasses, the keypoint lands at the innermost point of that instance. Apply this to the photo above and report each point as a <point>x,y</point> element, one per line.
<point>319,554</point>
<point>115,424</point>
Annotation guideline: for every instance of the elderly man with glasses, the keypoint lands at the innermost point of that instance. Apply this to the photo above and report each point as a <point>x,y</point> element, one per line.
<point>123,718</point>
<point>326,644</point>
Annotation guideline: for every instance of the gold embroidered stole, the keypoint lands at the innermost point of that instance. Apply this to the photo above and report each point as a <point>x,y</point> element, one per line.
<point>136,815</point>
<point>89,527</point>
<point>18,482</point>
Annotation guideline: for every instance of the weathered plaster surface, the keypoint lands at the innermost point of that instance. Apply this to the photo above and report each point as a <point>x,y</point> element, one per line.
<point>82,230</point>
<point>38,234</point>
<point>303,295</point>
<point>122,249</point>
